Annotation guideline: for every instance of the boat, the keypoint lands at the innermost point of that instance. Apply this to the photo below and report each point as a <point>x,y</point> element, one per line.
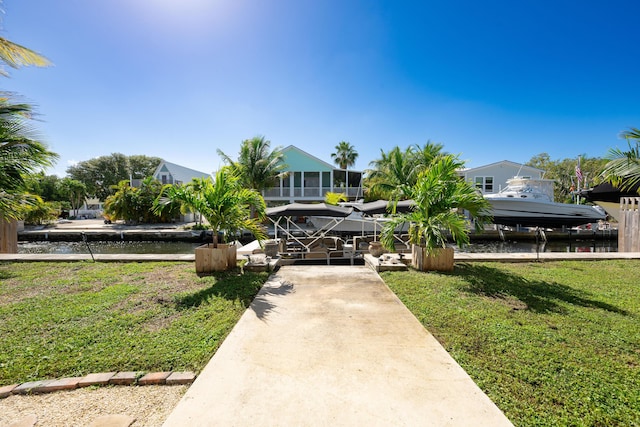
<point>529,202</point>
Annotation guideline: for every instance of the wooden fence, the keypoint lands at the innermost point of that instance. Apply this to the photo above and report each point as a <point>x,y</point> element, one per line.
<point>629,225</point>
<point>8,236</point>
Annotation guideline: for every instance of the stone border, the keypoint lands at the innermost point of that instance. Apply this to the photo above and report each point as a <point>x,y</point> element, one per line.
<point>99,379</point>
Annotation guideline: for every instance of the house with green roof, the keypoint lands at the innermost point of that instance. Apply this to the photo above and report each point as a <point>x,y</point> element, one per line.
<point>309,179</point>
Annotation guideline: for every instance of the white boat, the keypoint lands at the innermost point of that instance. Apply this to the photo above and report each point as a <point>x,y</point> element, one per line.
<point>530,203</point>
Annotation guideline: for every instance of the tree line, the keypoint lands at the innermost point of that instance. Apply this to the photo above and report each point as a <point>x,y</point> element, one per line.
<point>257,166</point>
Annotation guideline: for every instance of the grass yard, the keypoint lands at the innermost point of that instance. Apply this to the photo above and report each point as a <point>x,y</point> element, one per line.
<point>553,344</point>
<point>71,319</point>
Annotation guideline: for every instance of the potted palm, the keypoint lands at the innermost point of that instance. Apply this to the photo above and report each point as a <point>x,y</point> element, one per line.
<point>440,199</point>
<point>227,207</point>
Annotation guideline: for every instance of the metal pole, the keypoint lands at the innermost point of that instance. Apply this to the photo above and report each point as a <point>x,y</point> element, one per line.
<point>84,239</point>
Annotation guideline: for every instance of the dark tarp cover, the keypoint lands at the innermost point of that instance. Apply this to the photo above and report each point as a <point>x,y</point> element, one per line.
<point>309,209</point>
<point>384,207</point>
<point>606,192</point>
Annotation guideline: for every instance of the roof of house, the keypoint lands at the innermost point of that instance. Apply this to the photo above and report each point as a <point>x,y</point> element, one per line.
<point>322,163</point>
<point>502,162</point>
<point>299,151</point>
<point>179,173</point>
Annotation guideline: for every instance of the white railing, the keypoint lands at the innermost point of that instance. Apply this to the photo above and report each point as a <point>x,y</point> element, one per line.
<point>309,192</point>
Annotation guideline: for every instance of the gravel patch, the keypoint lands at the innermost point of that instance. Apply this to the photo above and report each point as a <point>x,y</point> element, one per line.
<point>148,405</point>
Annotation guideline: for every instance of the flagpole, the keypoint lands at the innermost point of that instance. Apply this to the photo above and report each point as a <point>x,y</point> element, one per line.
<point>579,179</point>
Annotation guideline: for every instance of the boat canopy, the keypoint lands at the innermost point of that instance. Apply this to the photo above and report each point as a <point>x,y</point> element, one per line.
<point>309,209</point>
<point>384,207</point>
<point>606,192</point>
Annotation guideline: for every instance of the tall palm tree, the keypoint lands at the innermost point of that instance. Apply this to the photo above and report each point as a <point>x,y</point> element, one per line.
<point>257,166</point>
<point>440,197</point>
<point>345,155</point>
<point>224,202</point>
<point>20,155</point>
<point>623,168</point>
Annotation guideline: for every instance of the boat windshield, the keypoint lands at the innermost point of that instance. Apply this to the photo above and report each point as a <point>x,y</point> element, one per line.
<point>536,188</point>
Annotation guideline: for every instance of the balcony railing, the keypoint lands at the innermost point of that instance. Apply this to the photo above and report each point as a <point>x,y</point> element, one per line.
<point>309,192</point>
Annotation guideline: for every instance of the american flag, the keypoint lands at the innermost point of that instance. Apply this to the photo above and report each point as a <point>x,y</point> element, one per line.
<point>578,171</point>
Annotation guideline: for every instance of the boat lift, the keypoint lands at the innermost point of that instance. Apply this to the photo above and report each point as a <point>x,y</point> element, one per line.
<point>306,240</point>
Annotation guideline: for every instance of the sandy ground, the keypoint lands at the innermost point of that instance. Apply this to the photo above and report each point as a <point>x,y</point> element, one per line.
<point>148,405</point>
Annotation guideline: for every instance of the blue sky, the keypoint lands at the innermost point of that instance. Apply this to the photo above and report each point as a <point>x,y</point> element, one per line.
<point>491,80</point>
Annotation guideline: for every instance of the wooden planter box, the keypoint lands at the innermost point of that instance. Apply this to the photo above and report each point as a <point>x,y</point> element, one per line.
<point>8,236</point>
<point>210,258</point>
<point>441,260</point>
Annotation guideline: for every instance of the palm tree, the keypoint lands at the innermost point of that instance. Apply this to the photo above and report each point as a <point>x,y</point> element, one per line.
<point>345,155</point>
<point>17,56</point>
<point>20,155</point>
<point>75,191</point>
<point>257,166</point>
<point>224,202</point>
<point>439,196</point>
<point>623,169</point>
<point>427,154</point>
<point>393,174</point>
<point>397,171</point>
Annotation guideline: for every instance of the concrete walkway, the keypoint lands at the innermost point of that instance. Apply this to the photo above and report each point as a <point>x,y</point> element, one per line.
<point>332,346</point>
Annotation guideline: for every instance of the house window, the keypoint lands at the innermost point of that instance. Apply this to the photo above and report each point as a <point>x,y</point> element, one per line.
<point>484,183</point>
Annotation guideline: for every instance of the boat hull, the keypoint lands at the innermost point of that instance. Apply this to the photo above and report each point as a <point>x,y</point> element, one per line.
<point>532,213</point>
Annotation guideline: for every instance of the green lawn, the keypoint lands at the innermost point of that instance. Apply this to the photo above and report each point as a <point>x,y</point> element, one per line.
<point>71,319</point>
<point>553,344</point>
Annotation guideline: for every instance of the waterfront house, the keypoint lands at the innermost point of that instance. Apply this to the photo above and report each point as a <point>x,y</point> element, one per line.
<point>309,179</point>
<point>493,177</point>
<point>170,173</point>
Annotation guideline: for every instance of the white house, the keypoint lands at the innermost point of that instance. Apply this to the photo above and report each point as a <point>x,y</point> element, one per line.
<point>493,177</point>
<point>170,173</point>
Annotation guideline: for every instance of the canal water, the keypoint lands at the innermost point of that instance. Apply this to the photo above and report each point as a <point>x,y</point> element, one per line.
<point>119,247</point>
<point>137,247</point>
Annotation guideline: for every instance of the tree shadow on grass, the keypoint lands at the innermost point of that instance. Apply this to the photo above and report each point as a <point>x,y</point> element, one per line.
<point>538,296</point>
<point>7,274</point>
<point>248,288</point>
<point>230,285</point>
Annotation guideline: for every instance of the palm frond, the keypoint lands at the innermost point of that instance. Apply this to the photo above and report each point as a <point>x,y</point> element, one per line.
<point>623,168</point>
<point>17,56</point>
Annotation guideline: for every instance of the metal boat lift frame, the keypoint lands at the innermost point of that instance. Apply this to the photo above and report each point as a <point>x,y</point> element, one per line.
<point>281,217</point>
